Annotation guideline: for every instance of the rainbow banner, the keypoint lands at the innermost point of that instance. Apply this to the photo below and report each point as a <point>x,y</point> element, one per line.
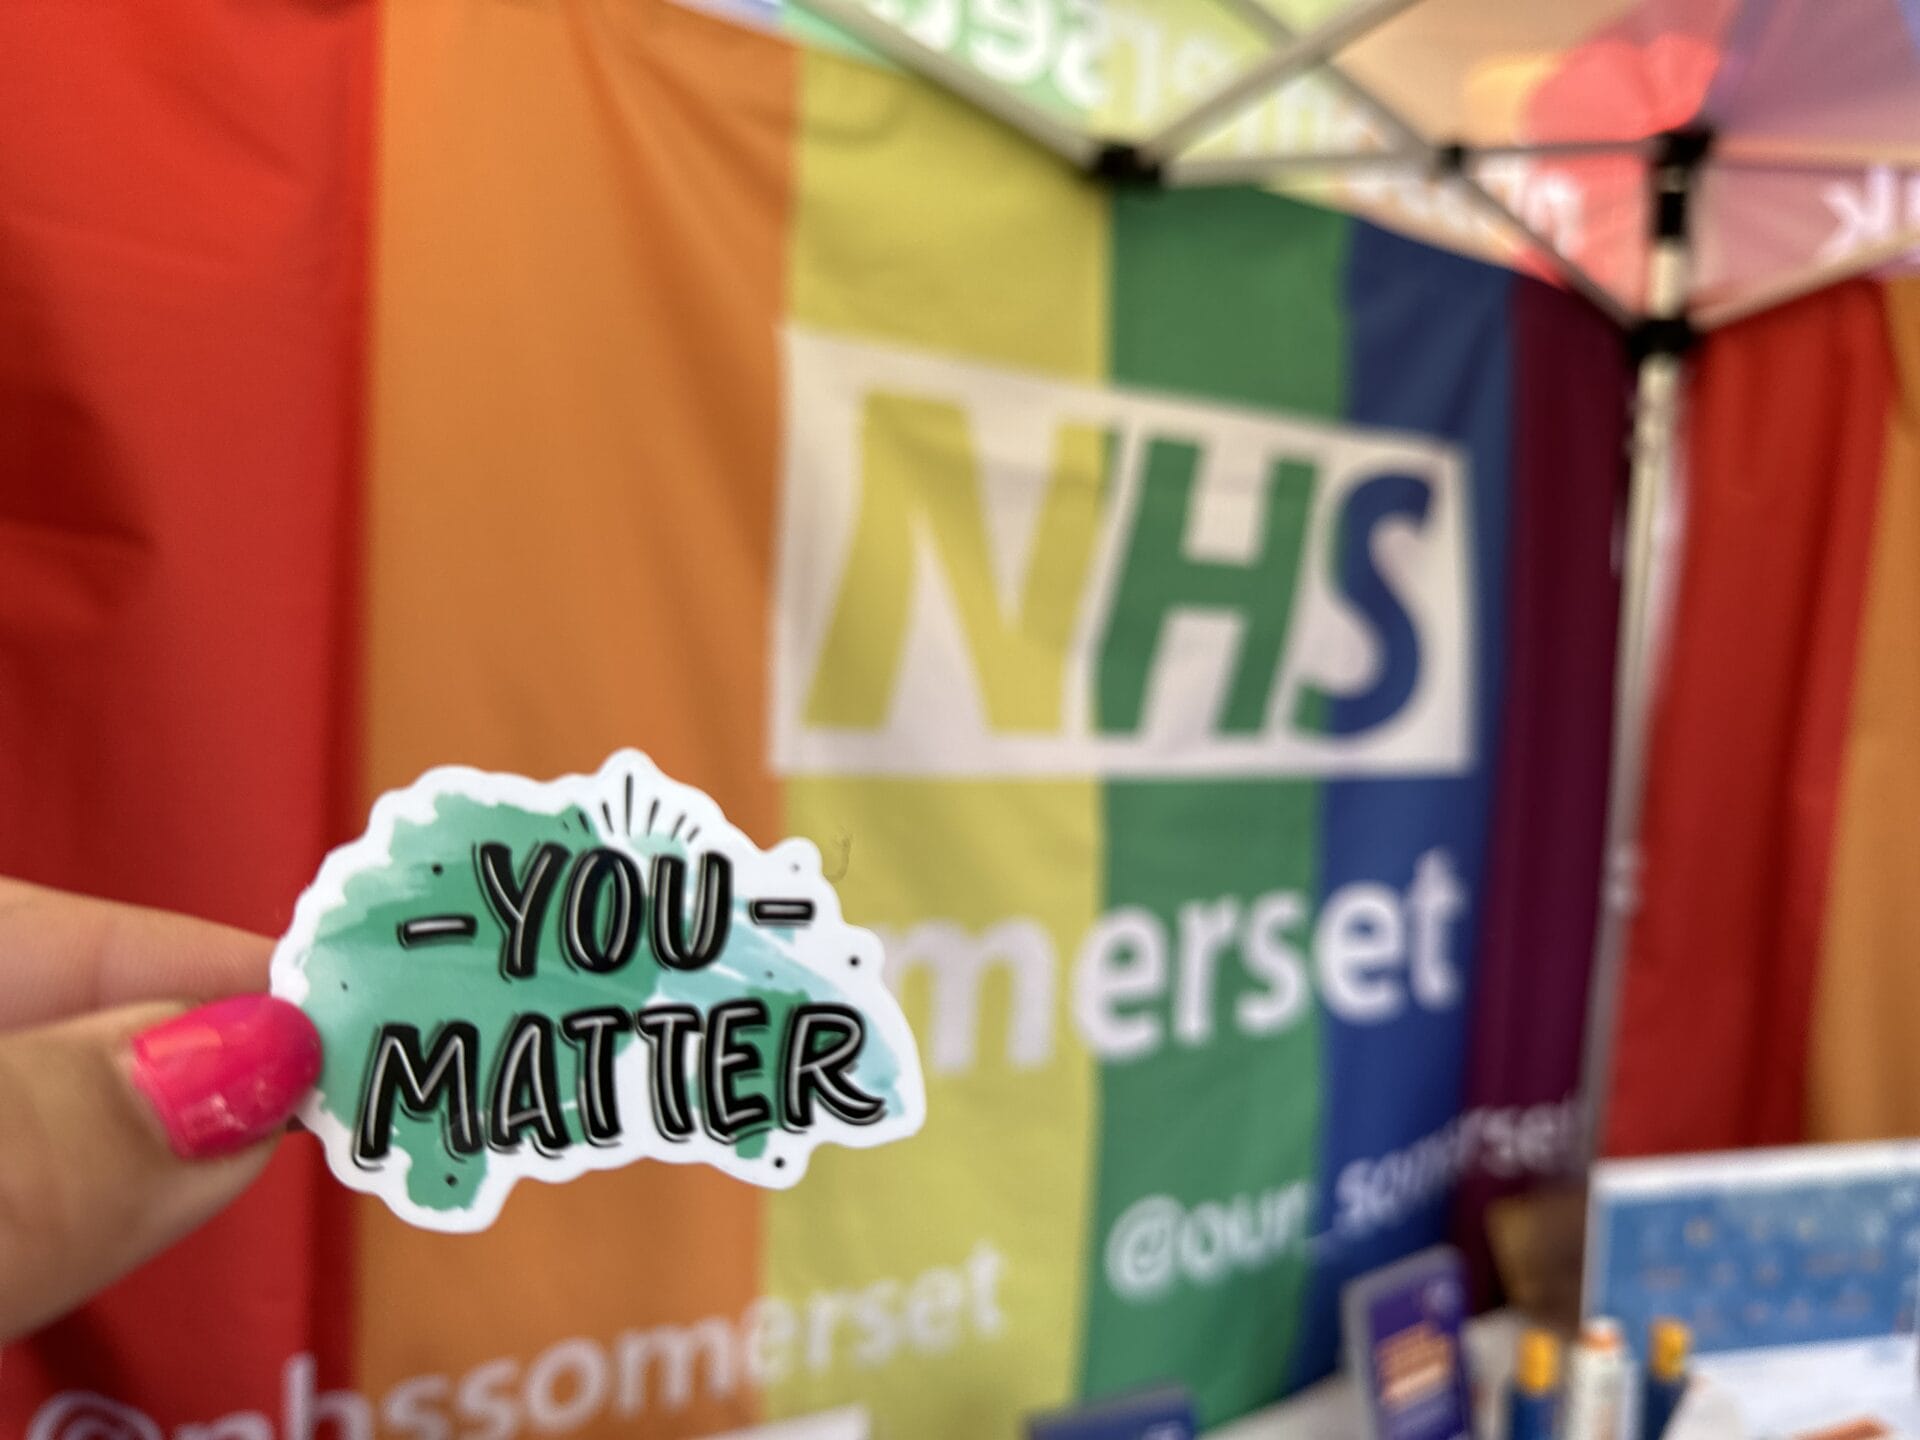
<point>1769,981</point>
<point>1139,597</point>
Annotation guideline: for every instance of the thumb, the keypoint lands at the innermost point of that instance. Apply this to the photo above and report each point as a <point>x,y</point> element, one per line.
<point>122,1131</point>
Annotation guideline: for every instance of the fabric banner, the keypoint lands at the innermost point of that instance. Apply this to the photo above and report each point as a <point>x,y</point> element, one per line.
<point>1140,597</point>
<point>1768,985</point>
<point>182,266</point>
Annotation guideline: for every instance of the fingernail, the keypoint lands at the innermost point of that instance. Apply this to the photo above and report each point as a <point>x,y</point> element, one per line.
<point>227,1074</point>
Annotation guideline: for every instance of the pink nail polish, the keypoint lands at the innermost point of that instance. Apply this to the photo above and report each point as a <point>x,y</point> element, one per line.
<point>227,1074</point>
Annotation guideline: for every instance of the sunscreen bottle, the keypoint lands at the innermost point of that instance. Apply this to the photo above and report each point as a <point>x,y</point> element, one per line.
<point>1599,1386</point>
<point>1533,1401</point>
<point>1668,1344</point>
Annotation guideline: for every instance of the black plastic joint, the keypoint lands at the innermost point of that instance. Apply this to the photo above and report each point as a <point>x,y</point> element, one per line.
<point>1655,336</point>
<point>1670,213</point>
<point>1449,160</point>
<point>1676,161</point>
<point>1685,149</point>
<point>1123,164</point>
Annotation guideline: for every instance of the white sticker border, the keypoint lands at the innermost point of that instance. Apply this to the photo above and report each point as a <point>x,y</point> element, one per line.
<point>791,869</point>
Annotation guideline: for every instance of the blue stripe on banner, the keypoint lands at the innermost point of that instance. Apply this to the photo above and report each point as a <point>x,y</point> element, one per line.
<point>1429,353</point>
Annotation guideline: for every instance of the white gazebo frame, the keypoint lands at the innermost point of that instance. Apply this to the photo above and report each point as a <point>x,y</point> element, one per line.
<point>1661,333</point>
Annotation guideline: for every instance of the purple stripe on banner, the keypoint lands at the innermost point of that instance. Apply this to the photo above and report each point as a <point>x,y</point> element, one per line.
<point>1542,887</point>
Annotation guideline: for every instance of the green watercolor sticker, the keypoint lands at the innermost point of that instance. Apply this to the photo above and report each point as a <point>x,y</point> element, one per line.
<point>515,979</point>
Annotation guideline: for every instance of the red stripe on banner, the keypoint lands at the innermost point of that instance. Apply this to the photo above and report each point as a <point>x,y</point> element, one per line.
<point>1787,421</point>
<point>182,213</point>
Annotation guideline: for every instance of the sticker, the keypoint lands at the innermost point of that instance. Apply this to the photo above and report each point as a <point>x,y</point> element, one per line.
<point>515,979</point>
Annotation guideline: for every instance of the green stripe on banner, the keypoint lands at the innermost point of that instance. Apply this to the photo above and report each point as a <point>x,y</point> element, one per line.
<point>1210,1077</point>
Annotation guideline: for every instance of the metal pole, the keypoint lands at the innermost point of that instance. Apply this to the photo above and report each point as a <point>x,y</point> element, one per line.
<point>1299,53</point>
<point>1404,135</point>
<point>1077,148</point>
<point>1655,426</point>
<point>1755,152</point>
<point>1192,171</point>
<point>1189,169</point>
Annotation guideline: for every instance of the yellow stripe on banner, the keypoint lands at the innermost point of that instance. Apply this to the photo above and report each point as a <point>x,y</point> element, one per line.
<point>579,277</point>
<point>938,1282</point>
<point>919,221</point>
<point>1864,1071</point>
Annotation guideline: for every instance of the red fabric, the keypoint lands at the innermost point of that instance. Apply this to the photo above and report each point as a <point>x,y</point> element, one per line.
<point>182,217</point>
<point>1786,428</point>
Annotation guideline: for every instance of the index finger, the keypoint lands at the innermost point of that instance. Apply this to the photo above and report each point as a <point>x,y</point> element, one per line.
<point>63,955</point>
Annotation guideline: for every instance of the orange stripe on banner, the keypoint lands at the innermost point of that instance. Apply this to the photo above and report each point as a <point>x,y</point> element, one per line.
<point>1786,421</point>
<point>1865,1079</point>
<point>581,259</point>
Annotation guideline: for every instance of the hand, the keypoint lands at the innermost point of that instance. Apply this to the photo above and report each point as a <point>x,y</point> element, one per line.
<point>125,1123</point>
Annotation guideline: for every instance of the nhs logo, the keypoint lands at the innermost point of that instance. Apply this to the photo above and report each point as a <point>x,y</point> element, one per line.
<point>986,573</point>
